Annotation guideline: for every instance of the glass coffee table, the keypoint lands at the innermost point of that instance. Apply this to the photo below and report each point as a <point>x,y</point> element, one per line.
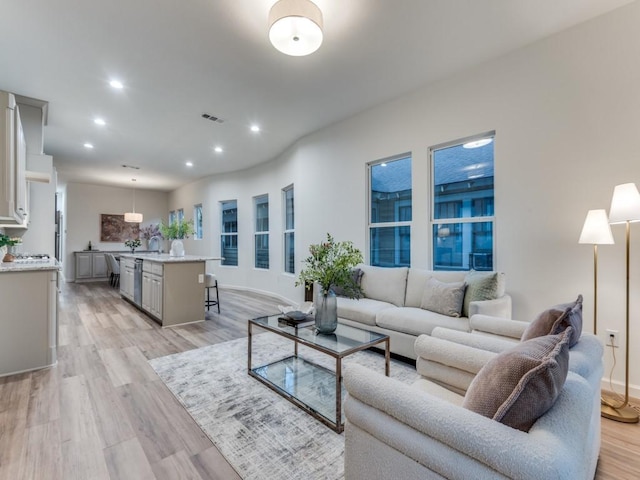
<point>315,389</point>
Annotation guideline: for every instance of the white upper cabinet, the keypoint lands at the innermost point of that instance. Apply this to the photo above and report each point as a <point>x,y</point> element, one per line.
<point>13,157</point>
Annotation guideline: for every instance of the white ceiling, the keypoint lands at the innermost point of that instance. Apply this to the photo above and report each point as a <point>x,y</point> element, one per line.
<point>179,59</point>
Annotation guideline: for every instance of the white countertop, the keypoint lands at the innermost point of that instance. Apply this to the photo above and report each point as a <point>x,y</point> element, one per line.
<point>166,258</point>
<point>9,267</point>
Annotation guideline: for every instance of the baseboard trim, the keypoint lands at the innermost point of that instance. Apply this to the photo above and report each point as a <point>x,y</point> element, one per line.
<point>634,390</point>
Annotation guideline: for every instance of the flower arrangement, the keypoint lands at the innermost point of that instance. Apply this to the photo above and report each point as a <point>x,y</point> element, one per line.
<point>132,243</point>
<point>150,231</point>
<point>177,230</point>
<point>330,265</point>
<point>6,240</point>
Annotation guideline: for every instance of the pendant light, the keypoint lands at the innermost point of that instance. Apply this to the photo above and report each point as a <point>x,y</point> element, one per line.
<point>133,217</point>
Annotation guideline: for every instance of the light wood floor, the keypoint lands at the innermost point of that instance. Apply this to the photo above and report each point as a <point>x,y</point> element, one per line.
<point>102,412</point>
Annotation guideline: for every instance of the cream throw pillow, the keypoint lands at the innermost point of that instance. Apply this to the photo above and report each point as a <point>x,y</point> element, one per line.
<point>520,384</point>
<point>444,298</point>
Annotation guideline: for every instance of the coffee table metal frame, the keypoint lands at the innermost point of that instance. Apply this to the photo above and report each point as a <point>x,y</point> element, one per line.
<point>292,334</point>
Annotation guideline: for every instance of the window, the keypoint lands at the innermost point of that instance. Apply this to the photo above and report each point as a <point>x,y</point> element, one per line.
<point>197,220</point>
<point>172,216</point>
<point>289,231</point>
<point>463,210</point>
<point>261,210</point>
<point>180,215</point>
<point>229,236</point>
<point>390,212</point>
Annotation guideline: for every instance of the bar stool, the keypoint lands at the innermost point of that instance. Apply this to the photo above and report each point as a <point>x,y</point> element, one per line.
<point>211,282</point>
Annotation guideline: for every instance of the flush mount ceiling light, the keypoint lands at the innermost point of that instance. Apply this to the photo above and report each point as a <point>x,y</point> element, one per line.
<point>133,217</point>
<point>88,146</point>
<point>295,27</point>
<point>478,143</point>
<point>117,84</point>
<point>99,121</point>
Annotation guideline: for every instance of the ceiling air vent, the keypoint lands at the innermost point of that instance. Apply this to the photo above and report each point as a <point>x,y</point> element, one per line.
<point>213,118</point>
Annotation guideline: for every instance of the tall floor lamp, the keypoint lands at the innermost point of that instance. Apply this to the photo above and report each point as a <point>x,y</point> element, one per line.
<point>625,208</point>
<point>596,231</point>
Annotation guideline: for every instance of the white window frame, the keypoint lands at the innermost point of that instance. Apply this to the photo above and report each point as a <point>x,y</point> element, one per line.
<point>229,234</point>
<point>288,231</point>
<point>197,221</point>
<point>259,200</point>
<point>370,223</point>
<point>462,220</point>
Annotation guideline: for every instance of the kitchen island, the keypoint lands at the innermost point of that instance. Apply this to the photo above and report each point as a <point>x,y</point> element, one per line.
<point>168,289</point>
<point>29,319</point>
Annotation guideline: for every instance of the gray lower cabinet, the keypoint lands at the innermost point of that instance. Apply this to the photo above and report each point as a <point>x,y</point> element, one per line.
<point>28,321</point>
<point>126,278</point>
<point>91,266</point>
<point>152,284</point>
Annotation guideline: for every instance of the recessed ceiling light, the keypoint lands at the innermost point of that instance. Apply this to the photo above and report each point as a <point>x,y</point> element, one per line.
<point>478,143</point>
<point>99,121</point>
<point>255,128</point>
<point>189,164</point>
<point>88,145</point>
<point>218,149</point>
<point>117,84</point>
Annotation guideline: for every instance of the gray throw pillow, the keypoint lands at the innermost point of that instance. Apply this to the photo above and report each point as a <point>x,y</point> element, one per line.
<point>480,286</point>
<point>520,384</point>
<point>557,319</point>
<point>444,298</point>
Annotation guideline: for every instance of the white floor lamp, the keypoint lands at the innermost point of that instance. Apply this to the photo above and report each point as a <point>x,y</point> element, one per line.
<point>596,231</point>
<point>625,208</point>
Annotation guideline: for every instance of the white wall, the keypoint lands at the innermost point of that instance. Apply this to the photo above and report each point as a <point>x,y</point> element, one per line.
<point>566,112</point>
<point>85,203</point>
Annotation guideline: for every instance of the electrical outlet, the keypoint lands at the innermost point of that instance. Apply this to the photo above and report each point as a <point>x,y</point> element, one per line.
<point>612,335</point>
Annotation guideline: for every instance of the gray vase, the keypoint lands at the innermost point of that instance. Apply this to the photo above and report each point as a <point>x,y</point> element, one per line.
<point>326,311</point>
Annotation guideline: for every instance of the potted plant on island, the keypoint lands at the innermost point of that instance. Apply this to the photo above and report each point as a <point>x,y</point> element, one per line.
<point>176,232</point>
<point>331,265</point>
<point>5,242</point>
<point>132,244</point>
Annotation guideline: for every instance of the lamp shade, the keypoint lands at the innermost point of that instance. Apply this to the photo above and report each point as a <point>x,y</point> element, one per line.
<point>133,217</point>
<point>295,27</point>
<point>625,204</point>
<point>596,229</point>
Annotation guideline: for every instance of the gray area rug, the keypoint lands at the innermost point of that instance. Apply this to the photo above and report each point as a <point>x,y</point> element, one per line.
<point>261,434</point>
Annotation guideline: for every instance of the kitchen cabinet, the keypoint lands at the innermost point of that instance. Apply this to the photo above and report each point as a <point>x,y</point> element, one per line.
<point>127,266</point>
<point>90,265</point>
<point>13,158</point>
<point>152,284</point>
<point>29,299</point>
<point>172,287</point>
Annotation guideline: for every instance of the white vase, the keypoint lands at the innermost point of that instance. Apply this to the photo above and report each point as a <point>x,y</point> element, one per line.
<point>177,248</point>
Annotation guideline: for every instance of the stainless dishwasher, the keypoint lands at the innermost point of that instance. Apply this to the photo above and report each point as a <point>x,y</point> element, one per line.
<point>137,282</point>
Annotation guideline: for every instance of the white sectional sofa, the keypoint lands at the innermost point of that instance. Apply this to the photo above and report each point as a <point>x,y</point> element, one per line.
<point>421,431</point>
<point>392,301</point>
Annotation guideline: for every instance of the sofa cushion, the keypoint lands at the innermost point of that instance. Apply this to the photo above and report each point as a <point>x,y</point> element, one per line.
<point>384,284</point>
<point>556,319</point>
<point>416,321</point>
<point>482,286</point>
<point>417,280</point>
<point>520,384</point>
<point>363,311</point>
<point>444,298</point>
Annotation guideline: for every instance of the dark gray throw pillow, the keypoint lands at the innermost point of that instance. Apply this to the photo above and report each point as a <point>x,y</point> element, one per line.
<point>520,384</point>
<point>356,276</point>
<point>556,319</point>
